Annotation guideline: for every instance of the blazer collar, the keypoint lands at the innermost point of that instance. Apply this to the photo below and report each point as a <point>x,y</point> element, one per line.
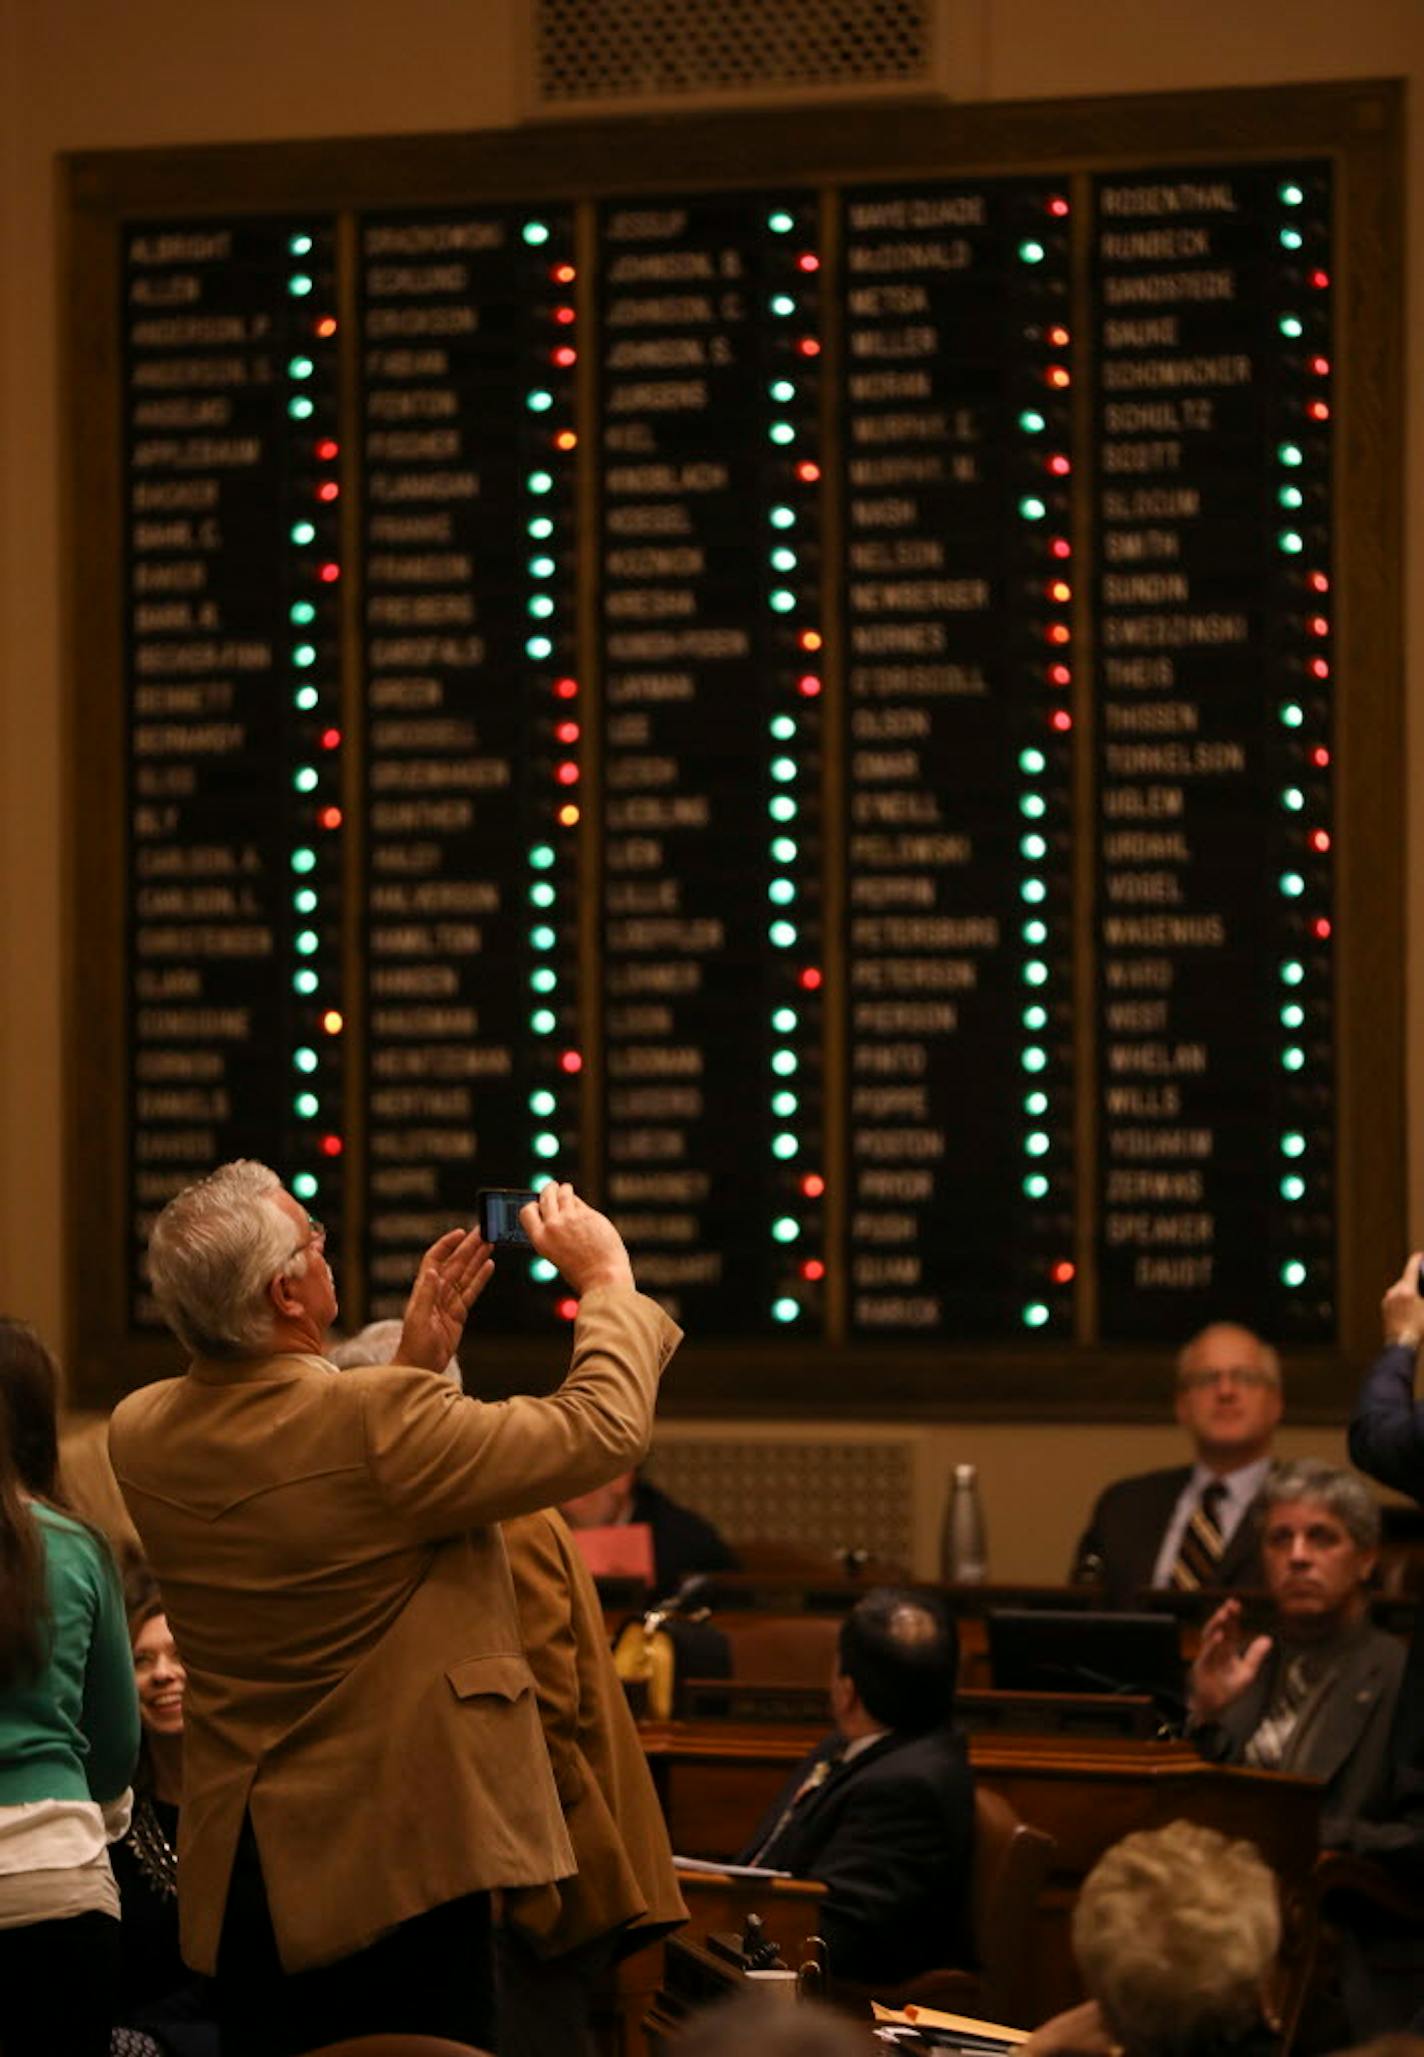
<point>242,1371</point>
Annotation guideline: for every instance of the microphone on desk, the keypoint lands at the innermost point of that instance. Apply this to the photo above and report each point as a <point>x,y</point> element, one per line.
<point>1170,1709</point>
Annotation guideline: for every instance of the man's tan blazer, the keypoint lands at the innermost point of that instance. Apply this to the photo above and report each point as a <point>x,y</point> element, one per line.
<point>625,1879</point>
<point>343,1606</point>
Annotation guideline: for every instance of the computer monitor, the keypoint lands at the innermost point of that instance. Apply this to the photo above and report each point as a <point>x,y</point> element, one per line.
<point>1060,1650</point>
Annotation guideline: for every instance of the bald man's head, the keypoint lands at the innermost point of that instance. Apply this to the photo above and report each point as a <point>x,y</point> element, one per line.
<point>1229,1395</point>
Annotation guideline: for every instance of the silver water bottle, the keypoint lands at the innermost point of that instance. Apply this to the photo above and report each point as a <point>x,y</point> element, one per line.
<point>964,1550</point>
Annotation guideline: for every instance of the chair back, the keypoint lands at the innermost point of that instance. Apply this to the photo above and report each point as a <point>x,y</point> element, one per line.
<point>1011,1862</point>
<point>782,1649</point>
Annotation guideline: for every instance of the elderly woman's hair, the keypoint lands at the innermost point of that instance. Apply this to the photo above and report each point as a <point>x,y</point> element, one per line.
<point>756,2023</point>
<point>1339,1491</point>
<point>29,1394</point>
<point>1175,1931</point>
<point>214,1251</point>
<point>379,1343</point>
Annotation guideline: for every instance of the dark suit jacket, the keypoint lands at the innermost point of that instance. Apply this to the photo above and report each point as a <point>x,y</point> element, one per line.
<point>1387,1441</point>
<point>683,1542</point>
<point>1346,1745</point>
<point>891,1835</point>
<point>1126,1529</point>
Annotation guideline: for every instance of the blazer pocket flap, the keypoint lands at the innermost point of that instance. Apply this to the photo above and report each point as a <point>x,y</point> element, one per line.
<point>503,1678</point>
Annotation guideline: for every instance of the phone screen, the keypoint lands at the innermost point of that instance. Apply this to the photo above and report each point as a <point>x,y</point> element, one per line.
<point>499,1214</point>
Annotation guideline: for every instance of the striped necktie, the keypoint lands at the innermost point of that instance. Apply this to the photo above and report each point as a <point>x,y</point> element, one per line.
<point>1198,1560</point>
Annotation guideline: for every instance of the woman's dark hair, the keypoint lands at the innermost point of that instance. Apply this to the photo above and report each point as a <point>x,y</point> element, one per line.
<point>22,1573</point>
<point>29,1399</point>
<point>142,1601</point>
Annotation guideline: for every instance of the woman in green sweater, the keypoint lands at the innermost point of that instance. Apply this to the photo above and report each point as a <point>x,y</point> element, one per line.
<point>68,1740</point>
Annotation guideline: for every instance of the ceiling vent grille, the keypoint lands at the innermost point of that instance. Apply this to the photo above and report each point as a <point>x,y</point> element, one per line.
<point>643,56</point>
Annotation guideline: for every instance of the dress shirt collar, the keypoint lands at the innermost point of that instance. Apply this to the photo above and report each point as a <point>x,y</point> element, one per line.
<point>1241,1488</point>
<point>862,1743</point>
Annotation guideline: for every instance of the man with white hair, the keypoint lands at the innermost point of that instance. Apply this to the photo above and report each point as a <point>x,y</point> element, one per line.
<point>363,1757</point>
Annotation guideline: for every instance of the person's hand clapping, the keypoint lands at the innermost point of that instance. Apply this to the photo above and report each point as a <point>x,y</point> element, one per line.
<point>1402,1308</point>
<point>453,1273</point>
<point>583,1243</point>
<point>1224,1667</point>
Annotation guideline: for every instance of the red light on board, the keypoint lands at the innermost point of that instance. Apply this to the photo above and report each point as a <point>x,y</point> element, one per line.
<point>330,817</point>
<point>1320,756</point>
<point>567,1310</point>
<point>808,261</point>
<point>566,689</point>
<point>331,1146</point>
<point>567,732</point>
<point>1064,1273</point>
<point>810,639</point>
<point>808,686</point>
<point>1062,720</point>
<point>332,1021</point>
<point>808,471</point>
<point>808,347</point>
<point>331,739</point>
<point>813,1185</point>
<point>1320,840</point>
<point>567,773</point>
<point>326,326</point>
<point>327,449</point>
<point>329,574</point>
<point>814,1270</point>
<point>570,1061</point>
<point>809,978</point>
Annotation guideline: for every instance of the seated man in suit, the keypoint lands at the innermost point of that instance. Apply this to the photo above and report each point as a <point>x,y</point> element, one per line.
<point>883,1811</point>
<point>1193,1526</point>
<point>1318,1696</point>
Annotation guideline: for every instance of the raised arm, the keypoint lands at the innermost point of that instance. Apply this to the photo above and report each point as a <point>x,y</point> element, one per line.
<point>1387,1427</point>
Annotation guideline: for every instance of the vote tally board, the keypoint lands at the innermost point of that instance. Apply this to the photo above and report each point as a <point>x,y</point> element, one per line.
<point>812,705</point>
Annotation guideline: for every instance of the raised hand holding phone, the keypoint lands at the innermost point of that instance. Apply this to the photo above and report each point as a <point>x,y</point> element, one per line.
<point>583,1243</point>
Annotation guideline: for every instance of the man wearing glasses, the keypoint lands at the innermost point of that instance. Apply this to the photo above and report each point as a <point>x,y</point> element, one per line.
<point>363,1757</point>
<point>1192,1526</point>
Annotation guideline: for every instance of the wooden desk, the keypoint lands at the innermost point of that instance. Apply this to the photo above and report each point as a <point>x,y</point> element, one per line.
<point>716,1779</point>
<point>789,1911</point>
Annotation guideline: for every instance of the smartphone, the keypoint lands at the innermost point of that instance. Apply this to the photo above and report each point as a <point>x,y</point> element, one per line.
<point>499,1214</point>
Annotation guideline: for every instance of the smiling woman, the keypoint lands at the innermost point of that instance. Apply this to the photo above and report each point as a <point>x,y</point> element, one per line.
<point>157,1994</point>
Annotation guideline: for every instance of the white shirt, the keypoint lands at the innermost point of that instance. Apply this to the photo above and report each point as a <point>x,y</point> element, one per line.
<point>1241,1489</point>
<point>54,1859</point>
